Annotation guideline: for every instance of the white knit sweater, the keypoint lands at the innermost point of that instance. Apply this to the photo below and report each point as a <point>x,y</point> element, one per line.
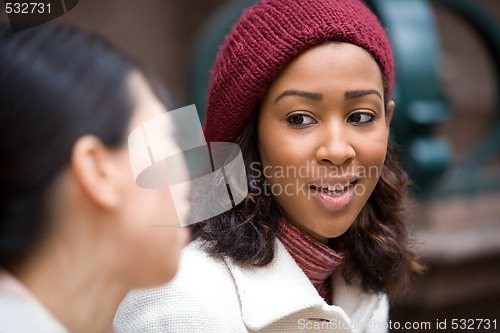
<point>208,295</point>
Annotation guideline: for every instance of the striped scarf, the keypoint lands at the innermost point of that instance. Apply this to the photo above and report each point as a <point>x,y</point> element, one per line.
<point>317,260</point>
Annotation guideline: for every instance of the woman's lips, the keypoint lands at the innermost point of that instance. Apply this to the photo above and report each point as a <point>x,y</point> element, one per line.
<point>333,197</point>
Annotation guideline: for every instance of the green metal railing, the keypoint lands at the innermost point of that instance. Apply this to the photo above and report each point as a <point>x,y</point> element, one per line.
<point>473,174</point>
<point>419,96</point>
<point>421,103</point>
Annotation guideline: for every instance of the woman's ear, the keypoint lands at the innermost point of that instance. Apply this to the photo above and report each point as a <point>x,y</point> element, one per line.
<point>95,172</point>
<point>389,111</point>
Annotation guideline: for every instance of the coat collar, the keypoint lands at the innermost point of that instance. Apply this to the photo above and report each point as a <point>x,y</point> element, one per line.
<point>281,288</point>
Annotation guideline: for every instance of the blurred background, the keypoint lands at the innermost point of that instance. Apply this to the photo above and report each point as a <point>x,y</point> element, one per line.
<point>447,124</point>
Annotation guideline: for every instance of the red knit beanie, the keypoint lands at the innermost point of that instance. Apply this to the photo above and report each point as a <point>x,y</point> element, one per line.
<point>267,37</point>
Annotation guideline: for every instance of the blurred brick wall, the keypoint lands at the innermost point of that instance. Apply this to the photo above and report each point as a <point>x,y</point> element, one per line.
<point>158,33</point>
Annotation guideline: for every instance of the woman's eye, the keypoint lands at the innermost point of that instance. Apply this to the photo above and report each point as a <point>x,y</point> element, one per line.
<point>361,118</point>
<point>298,120</point>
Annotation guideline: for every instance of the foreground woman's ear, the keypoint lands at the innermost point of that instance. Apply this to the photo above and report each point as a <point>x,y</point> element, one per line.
<point>95,172</point>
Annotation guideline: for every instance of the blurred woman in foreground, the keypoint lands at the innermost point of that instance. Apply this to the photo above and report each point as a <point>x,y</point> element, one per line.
<point>75,229</point>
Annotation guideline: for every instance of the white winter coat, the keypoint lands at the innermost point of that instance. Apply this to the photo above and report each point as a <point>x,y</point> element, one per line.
<point>210,295</point>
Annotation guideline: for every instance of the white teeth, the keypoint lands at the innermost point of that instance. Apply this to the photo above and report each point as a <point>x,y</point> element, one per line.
<point>337,187</point>
<point>332,188</point>
<point>335,194</point>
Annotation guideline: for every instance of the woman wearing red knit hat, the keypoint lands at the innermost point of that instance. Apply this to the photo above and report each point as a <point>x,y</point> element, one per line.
<point>304,87</point>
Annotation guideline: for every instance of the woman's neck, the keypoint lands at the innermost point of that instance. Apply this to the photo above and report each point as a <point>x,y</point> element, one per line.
<point>76,285</point>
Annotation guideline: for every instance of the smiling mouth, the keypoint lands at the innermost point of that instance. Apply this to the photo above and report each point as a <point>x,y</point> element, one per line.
<point>332,190</point>
<point>333,197</point>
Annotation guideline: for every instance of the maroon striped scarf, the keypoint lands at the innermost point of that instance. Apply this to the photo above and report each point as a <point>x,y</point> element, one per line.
<point>317,260</point>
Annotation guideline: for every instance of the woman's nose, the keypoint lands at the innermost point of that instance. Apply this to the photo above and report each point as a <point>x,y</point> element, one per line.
<point>335,145</point>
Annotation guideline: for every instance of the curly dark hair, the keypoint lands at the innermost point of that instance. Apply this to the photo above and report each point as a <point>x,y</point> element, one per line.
<point>376,245</point>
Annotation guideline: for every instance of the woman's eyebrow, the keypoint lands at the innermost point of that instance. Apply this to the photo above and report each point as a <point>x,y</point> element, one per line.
<point>301,93</point>
<point>358,93</point>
